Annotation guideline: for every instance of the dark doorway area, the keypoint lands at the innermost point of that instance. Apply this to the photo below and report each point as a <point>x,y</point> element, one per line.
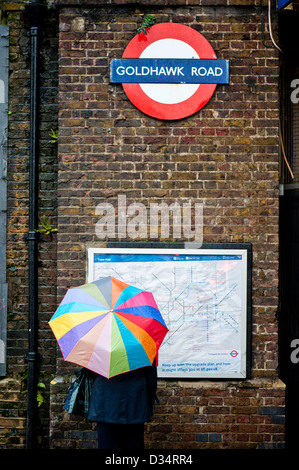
<point>289,223</point>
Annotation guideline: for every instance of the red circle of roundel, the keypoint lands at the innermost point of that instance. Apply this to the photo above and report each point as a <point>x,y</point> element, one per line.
<point>161,110</point>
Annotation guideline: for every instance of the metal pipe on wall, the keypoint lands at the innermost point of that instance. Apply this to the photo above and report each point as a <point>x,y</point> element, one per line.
<point>34,15</point>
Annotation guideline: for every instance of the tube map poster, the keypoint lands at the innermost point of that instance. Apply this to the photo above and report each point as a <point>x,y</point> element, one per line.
<point>202,295</point>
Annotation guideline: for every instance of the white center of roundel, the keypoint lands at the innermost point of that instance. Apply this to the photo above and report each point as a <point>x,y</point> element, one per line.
<point>169,93</point>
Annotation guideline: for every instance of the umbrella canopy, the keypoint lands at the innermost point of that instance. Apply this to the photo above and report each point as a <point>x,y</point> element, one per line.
<point>109,327</point>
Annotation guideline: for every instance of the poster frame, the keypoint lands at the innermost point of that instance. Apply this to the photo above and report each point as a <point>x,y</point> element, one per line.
<point>205,246</point>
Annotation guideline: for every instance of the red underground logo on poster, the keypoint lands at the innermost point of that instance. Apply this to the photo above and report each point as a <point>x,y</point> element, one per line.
<point>169,73</point>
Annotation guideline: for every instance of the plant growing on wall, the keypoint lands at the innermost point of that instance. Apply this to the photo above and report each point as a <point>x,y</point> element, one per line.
<point>40,387</point>
<point>39,396</point>
<point>54,137</point>
<point>148,21</point>
<point>47,227</point>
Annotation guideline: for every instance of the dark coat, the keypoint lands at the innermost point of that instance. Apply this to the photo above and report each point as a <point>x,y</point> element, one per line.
<point>126,398</point>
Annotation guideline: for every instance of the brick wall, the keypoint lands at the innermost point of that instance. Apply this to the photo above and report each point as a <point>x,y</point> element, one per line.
<point>225,156</point>
<point>13,400</point>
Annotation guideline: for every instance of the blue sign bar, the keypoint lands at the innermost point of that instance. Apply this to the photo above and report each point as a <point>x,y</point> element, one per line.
<point>169,71</point>
<point>142,257</point>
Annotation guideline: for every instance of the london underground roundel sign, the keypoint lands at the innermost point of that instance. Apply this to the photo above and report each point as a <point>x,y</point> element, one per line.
<point>169,73</point>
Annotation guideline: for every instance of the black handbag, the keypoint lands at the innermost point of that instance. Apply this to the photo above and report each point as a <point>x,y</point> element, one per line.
<point>78,397</point>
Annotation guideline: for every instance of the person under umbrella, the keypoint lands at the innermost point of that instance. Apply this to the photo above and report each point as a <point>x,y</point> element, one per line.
<point>121,405</point>
<point>115,330</point>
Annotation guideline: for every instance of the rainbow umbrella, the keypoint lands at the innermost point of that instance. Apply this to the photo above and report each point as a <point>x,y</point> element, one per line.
<point>109,327</point>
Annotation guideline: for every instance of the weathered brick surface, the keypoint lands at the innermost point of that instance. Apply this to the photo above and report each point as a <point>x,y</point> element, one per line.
<point>12,414</point>
<point>206,415</point>
<point>13,399</point>
<point>225,156</point>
